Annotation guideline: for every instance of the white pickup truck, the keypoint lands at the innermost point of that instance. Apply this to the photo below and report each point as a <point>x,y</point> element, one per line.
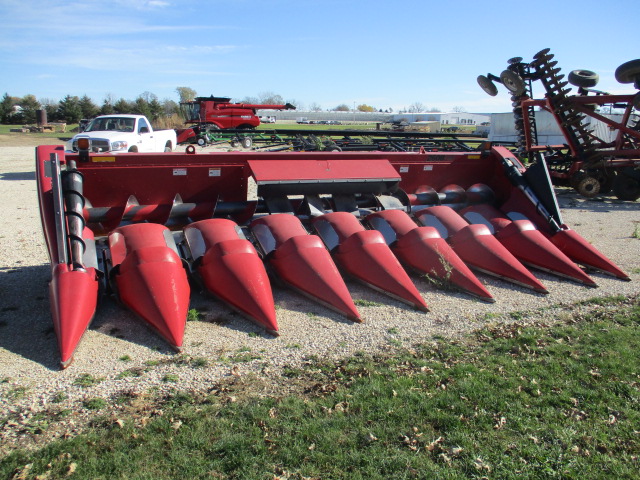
<point>125,133</point>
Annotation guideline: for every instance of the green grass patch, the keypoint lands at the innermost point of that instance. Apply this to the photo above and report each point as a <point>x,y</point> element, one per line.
<point>366,303</point>
<point>87,380</point>
<point>510,402</point>
<point>95,403</point>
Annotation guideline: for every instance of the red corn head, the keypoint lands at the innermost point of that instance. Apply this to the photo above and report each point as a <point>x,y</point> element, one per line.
<point>577,248</point>
<point>424,250</point>
<point>477,247</point>
<point>302,261</point>
<point>151,280</point>
<point>365,255</point>
<point>526,242</point>
<point>232,270</point>
<point>74,295</point>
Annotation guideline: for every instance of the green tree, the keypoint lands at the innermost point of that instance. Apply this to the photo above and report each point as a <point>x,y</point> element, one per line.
<point>89,109</point>
<point>186,94</point>
<point>122,106</point>
<point>169,107</point>
<point>29,104</point>
<point>142,107</point>
<point>69,109</point>
<point>156,109</point>
<point>343,107</point>
<point>6,108</point>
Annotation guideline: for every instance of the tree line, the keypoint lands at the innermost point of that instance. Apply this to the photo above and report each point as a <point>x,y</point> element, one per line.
<point>72,108</point>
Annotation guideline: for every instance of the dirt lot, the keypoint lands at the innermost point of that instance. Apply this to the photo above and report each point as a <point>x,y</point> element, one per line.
<point>117,342</point>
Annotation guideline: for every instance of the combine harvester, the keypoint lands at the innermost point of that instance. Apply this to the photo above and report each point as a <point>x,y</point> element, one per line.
<point>139,225</point>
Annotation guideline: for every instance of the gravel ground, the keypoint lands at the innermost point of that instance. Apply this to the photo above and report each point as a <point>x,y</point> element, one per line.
<point>117,342</point>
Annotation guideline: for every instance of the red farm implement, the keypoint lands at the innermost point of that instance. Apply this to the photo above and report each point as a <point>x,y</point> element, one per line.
<point>601,148</point>
<point>139,226</point>
<point>204,114</point>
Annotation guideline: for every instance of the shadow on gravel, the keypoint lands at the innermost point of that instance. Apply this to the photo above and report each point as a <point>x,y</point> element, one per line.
<point>25,322</point>
<point>569,199</point>
<point>18,176</point>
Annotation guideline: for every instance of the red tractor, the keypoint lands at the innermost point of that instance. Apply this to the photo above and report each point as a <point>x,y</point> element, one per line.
<point>218,113</point>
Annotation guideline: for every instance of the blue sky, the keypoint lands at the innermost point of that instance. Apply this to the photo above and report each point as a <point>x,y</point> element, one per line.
<point>381,53</point>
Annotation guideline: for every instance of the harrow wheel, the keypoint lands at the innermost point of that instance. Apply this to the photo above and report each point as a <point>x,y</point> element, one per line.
<point>513,82</point>
<point>587,185</point>
<point>487,85</point>
<point>583,78</point>
<point>629,72</point>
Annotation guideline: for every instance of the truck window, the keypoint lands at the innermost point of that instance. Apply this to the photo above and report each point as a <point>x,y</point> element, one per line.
<point>143,126</point>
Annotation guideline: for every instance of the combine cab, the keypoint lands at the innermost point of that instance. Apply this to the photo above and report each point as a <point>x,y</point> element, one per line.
<point>591,161</point>
<point>139,226</point>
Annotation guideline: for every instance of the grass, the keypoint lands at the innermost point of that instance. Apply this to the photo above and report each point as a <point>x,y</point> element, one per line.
<point>510,402</point>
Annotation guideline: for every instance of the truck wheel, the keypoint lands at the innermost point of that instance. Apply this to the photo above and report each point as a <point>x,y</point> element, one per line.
<point>247,142</point>
<point>583,78</point>
<point>201,141</point>
<point>626,188</point>
<point>134,149</point>
<point>167,147</point>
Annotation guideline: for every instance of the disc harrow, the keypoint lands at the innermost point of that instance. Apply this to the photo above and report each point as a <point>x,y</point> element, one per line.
<point>144,227</point>
<point>591,162</point>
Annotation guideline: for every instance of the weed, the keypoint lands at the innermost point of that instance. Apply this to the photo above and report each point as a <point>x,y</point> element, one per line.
<point>394,341</point>
<point>293,345</point>
<point>131,372</point>
<point>393,331</point>
<point>253,334</point>
<point>194,315</point>
<point>199,362</point>
<point>152,363</point>
<point>59,397</point>
<point>86,380</point>
<point>170,377</point>
<point>95,403</point>
<point>636,231</point>
<point>17,392</point>
<point>366,303</point>
<point>125,358</point>
<point>312,315</point>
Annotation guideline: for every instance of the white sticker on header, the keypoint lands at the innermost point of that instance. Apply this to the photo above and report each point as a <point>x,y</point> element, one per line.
<point>214,172</point>
<point>427,168</point>
<point>404,169</point>
<point>179,171</point>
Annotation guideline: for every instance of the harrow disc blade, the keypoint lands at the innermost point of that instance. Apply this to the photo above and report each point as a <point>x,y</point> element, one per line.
<point>73,295</point>
<point>577,248</point>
